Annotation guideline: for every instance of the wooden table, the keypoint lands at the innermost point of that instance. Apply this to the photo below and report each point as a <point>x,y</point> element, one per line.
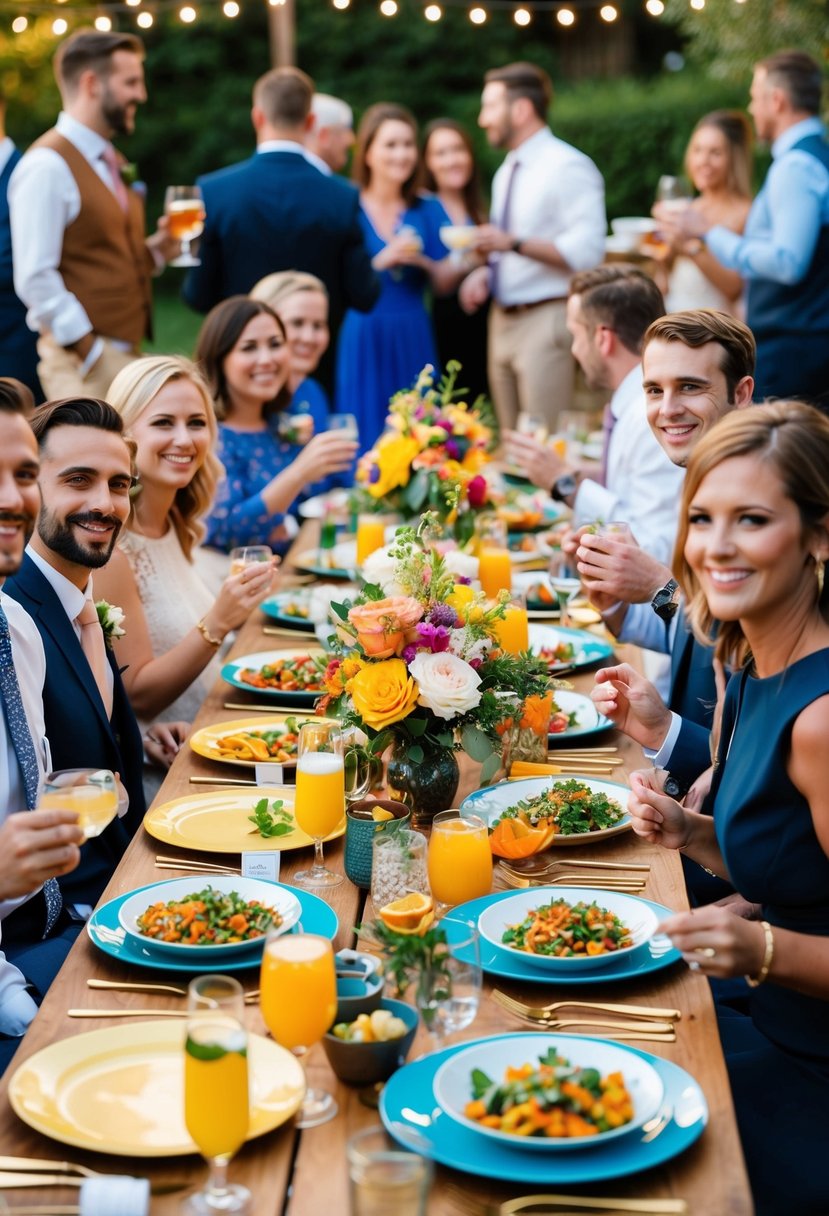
<point>710,1175</point>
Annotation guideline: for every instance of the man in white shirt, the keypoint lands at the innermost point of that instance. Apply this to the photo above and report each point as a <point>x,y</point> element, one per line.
<point>331,138</point>
<point>608,312</point>
<point>34,845</point>
<point>82,265</point>
<point>548,220</point>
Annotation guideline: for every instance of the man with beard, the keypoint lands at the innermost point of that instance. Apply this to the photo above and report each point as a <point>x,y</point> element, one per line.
<point>85,481</point>
<point>82,265</point>
<point>34,845</point>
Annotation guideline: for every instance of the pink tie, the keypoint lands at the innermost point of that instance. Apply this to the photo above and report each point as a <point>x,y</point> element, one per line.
<point>92,642</point>
<point>110,159</point>
<point>608,423</point>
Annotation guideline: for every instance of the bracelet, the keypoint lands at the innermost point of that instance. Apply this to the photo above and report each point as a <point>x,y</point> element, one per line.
<point>756,980</point>
<point>682,849</point>
<point>208,637</point>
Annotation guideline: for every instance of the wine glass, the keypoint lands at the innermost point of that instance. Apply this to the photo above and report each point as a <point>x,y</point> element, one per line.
<point>672,189</point>
<point>216,1096</point>
<point>347,423</point>
<point>564,580</point>
<point>184,208</point>
<point>320,794</point>
<point>298,999</point>
<point>91,793</point>
<point>356,765</point>
<point>449,988</point>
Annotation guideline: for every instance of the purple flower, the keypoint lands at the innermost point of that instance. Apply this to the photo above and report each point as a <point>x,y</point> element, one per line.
<point>374,474</point>
<point>475,663</point>
<point>443,614</point>
<point>409,653</point>
<point>463,579</point>
<point>436,637</point>
<point>446,426</point>
<point>452,449</point>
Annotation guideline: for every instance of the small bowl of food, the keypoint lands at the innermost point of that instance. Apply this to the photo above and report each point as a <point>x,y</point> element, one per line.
<point>374,1045</point>
<point>360,982</point>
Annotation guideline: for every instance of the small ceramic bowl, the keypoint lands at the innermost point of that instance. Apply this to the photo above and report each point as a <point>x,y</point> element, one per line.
<point>368,1063</point>
<point>359,984</point>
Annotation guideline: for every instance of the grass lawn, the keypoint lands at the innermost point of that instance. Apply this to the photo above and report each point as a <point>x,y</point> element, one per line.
<point>176,326</point>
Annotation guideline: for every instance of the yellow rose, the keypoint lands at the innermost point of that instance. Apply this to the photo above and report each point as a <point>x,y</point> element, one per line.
<point>393,456</point>
<point>384,693</point>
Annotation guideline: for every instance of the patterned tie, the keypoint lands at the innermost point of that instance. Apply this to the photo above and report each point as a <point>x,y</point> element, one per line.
<point>110,159</point>
<point>608,423</point>
<point>24,749</point>
<point>92,641</point>
<point>504,224</point>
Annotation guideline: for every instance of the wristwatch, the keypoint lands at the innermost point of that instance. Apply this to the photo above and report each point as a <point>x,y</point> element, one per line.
<point>663,603</point>
<point>516,244</point>
<point>564,487</point>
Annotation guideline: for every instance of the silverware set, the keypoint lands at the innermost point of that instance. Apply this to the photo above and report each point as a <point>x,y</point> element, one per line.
<point>24,1173</point>
<point>196,867</point>
<point>628,877</point>
<point>563,1205</point>
<point>637,1022</point>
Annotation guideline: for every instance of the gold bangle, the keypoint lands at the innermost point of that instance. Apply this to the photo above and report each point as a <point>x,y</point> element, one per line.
<point>208,637</point>
<point>754,981</point>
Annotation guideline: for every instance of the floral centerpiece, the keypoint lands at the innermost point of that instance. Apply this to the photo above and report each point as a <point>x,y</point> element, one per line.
<point>423,669</point>
<point>430,457</point>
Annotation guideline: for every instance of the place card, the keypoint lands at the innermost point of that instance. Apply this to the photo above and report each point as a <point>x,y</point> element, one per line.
<point>263,865</point>
<point>273,773</point>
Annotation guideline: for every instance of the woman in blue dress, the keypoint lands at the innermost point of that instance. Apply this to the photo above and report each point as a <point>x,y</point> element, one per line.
<point>268,469</point>
<point>383,351</point>
<point>751,550</point>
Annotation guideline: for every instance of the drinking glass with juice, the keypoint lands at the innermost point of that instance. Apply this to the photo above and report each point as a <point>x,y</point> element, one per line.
<point>460,859</point>
<point>319,804</point>
<point>91,793</point>
<point>494,561</point>
<point>513,632</point>
<point>371,535</point>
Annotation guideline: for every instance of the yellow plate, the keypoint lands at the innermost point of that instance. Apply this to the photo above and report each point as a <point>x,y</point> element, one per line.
<point>217,822</point>
<point>121,1089</point>
<point>203,742</point>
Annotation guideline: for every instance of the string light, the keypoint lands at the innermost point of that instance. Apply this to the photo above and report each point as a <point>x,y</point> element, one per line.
<point>103,23</point>
<point>188,14</point>
<point>341,4</point>
<point>655,7</point>
<point>20,24</point>
<point>59,27</point>
<point>477,16</point>
<point>230,8</point>
<point>433,12</point>
<point>389,8</point>
<point>609,12</point>
<point>566,16</point>
<point>698,4</point>
<point>145,20</point>
<point>522,16</point>
<point>133,3</point>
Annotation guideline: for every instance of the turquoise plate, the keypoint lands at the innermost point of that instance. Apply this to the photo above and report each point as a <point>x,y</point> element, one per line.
<point>273,608</point>
<point>317,917</point>
<point>588,649</point>
<point>411,1115</point>
<point>508,964</point>
<point>299,699</point>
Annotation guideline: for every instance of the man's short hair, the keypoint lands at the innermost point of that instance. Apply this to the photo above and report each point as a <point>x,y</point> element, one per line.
<point>90,50</point>
<point>76,411</point>
<point>798,75</point>
<point>622,297</point>
<point>15,397</point>
<point>698,326</point>
<point>284,96</point>
<point>525,80</point>
<point>331,111</point>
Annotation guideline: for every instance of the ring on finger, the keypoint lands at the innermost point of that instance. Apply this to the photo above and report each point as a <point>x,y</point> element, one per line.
<point>693,965</point>
<point>706,951</point>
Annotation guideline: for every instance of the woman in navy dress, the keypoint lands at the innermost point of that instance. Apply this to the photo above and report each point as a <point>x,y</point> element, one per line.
<point>451,174</point>
<point>750,553</point>
<point>383,351</point>
<point>246,359</point>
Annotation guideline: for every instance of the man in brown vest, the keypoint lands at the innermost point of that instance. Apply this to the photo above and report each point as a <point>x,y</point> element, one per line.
<point>81,263</point>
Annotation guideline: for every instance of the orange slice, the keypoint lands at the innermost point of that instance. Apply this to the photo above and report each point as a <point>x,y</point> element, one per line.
<point>405,915</point>
<point>420,928</point>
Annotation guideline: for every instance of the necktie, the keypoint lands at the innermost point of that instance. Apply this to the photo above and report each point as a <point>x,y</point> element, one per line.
<point>504,224</point>
<point>608,423</point>
<point>92,641</point>
<point>24,749</point>
<point>110,159</point>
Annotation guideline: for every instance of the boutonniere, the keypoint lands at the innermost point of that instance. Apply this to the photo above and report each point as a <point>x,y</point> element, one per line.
<point>111,618</point>
<point>129,173</point>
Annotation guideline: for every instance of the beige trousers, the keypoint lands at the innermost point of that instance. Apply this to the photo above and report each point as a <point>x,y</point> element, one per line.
<point>531,367</point>
<point>60,374</point>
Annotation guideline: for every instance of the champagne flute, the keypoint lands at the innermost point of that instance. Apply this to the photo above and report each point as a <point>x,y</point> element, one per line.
<point>320,794</point>
<point>184,208</point>
<point>449,989</point>
<point>564,580</point>
<point>91,793</point>
<point>298,999</point>
<point>216,1096</point>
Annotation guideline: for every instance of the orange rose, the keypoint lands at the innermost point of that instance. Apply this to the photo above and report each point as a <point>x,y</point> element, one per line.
<point>381,625</point>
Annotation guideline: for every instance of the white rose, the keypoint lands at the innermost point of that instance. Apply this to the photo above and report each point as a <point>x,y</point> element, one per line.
<point>461,563</point>
<point>380,568</point>
<point>447,685</point>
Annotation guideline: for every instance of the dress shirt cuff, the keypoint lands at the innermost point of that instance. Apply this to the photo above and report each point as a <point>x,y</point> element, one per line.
<point>17,1009</point>
<point>95,352</point>
<point>68,322</point>
<point>661,757</point>
<point>724,244</point>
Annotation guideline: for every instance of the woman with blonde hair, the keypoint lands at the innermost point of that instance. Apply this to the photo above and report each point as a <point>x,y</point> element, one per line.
<point>751,553</point>
<point>173,626</point>
<point>300,300</point>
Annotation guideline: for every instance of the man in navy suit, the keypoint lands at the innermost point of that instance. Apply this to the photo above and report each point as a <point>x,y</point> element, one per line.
<point>85,481</point>
<point>276,211</point>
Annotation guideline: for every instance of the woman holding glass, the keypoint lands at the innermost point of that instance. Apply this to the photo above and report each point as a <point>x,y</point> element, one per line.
<point>384,350</point>
<point>753,540</point>
<point>174,624</point>
<point>718,163</point>
<point>243,351</point>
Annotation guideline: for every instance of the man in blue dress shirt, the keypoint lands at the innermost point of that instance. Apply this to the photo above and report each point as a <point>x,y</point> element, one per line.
<point>784,252</point>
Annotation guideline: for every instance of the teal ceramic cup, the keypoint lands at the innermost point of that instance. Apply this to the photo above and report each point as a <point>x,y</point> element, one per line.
<point>360,832</point>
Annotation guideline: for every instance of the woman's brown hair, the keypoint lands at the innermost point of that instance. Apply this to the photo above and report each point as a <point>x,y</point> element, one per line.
<point>222,328</point>
<point>473,195</point>
<point>370,124</point>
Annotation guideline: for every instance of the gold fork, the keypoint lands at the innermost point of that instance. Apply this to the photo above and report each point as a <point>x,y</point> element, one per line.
<point>628,886</point>
<point>634,867</point>
<point>176,989</point>
<point>471,1205</point>
<point>634,1011</point>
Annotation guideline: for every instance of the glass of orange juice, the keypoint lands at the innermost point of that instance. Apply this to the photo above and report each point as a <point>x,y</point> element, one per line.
<point>371,535</point>
<point>494,561</point>
<point>91,793</point>
<point>216,1098</point>
<point>298,999</point>
<point>460,859</point>
<point>319,804</point>
<point>513,631</point>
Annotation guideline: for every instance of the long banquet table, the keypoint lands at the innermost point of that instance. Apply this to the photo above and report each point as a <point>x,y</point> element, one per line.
<point>292,1173</point>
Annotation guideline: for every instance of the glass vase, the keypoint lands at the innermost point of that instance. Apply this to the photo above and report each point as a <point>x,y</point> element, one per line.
<point>524,734</point>
<point>426,785</point>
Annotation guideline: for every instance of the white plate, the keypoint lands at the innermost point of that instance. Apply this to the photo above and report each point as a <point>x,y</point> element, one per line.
<point>491,802</point>
<point>453,1082</point>
<point>335,502</point>
<point>266,893</point>
<point>588,719</point>
<point>634,913</point>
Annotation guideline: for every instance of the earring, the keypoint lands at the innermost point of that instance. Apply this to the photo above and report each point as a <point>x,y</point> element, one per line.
<point>819,569</point>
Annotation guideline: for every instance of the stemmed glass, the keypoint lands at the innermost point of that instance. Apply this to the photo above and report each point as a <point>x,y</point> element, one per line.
<point>671,189</point>
<point>91,793</point>
<point>216,1095</point>
<point>356,765</point>
<point>298,999</point>
<point>184,208</point>
<point>320,794</point>
<point>564,580</point>
<point>449,989</point>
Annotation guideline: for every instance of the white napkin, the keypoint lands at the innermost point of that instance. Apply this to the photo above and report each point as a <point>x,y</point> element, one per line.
<point>105,1196</point>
